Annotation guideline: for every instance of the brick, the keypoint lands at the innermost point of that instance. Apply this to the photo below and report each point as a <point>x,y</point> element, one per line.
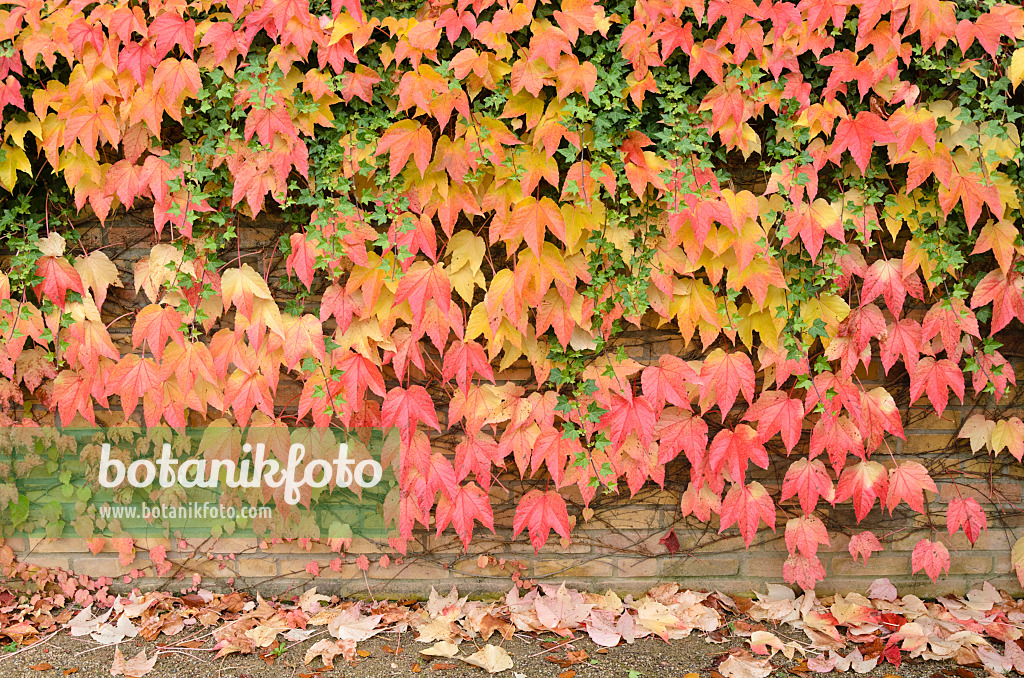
<point>257,567</point>
<point>703,567</point>
<point>572,567</point>
<point>48,561</point>
<point>69,545</point>
<point>637,567</point>
<point>877,566</point>
<point>99,566</point>
<point>960,564</point>
<point>763,565</point>
<point>926,443</point>
<point>468,566</point>
<point>415,570</point>
<point>950,421</point>
<point>236,545</point>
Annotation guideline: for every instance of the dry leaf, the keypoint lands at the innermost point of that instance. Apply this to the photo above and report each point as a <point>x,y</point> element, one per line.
<point>41,667</point>
<point>443,648</point>
<point>742,664</point>
<point>490,658</point>
<point>135,667</point>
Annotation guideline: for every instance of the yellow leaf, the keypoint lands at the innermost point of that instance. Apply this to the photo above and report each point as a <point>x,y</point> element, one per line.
<point>1016,70</point>
<point>15,131</point>
<point>14,160</point>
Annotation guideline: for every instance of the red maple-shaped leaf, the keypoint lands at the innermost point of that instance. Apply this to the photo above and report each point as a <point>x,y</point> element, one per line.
<point>464,359</point>
<point>734,450</point>
<point>475,455</point>
<point>302,260</point>
<point>725,375</point>
<point>155,324</point>
<point>134,377</point>
<point>469,504</point>
<point>864,544</point>
<point>859,135</point>
<point>907,482</point>
<point>968,514</point>
<point>671,542</point>
<point>423,283</point>
<point>911,124</point>
<point>803,570</point>
<point>540,512</point>
<point>1006,294</point>
<point>746,506</point>
<point>405,408</point>
<point>931,556</point>
<point>808,480</point>
<point>403,139</point>
<point>863,482</point>
<point>936,378</point>
<point>775,412</point>
<point>679,431</point>
<point>629,414</point>
<point>58,276</point>
<point>669,382</point>
<point>804,534</point>
<point>949,320</point>
<point>903,339</point>
<point>555,450</point>
<point>886,277</point>
<point>880,416</point>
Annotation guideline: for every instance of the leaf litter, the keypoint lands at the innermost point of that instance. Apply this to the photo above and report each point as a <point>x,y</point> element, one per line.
<point>777,629</point>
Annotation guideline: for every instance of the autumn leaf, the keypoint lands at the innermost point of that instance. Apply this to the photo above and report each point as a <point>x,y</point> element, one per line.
<point>932,557</point>
<point>541,512</point>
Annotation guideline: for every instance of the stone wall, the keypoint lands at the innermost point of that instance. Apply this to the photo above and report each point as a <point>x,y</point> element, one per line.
<point>618,547</point>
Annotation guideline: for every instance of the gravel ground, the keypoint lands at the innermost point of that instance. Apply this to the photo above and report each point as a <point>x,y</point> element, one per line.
<point>648,658</point>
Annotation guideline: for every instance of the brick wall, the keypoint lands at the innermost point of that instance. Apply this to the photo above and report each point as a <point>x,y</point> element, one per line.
<point>619,545</point>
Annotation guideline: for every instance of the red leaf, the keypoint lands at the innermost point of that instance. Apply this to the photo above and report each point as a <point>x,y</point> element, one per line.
<point>58,276</point>
<point>864,544</point>
<point>403,139</point>
<point>464,359</point>
<point>933,557</point>
<point>671,542</point>
<point>968,514</point>
<point>470,503</point>
<point>405,408</point>
<point>804,534</point>
<point>808,480</point>
<point>541,512</point>
<point>907,482</point>
<point>669,381</point>
<point>864,483</point>
<point>725,375</point>
<point>775,412</point>
<point>735,449</point>
<point>886,277</point>
<point>747,505</point>
<point>936,377</point>
<point>626,415</point>
<point>1005,294</point>
<point>859,135</point>
<point>803,570</point>
<point>156,324</point>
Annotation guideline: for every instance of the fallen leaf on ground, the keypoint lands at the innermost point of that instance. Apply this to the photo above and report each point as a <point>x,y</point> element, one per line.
<point>442,648</point>
<point>490,658</point>
<point>136,667</point>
